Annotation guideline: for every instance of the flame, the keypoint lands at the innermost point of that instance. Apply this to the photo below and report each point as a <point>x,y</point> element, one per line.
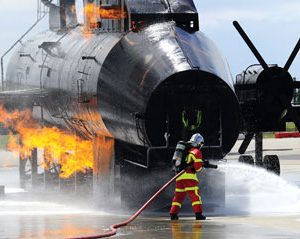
<point>90,14</point>
<point>70,152</point>
<point>114,13</point>
<point>95,13</point>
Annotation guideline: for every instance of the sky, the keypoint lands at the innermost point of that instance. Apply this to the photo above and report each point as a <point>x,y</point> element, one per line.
<point>272,25</point>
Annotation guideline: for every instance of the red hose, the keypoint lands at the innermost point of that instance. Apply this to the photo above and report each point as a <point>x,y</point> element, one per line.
<point>113,228</point>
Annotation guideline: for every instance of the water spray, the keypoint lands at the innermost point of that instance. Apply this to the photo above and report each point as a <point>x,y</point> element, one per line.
<point>254,190</point>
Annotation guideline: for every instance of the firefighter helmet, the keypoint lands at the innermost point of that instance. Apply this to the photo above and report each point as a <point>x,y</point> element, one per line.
<point>197,140</point>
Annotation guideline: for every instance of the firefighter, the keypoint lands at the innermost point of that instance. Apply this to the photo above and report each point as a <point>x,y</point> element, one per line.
<point>188,182</point>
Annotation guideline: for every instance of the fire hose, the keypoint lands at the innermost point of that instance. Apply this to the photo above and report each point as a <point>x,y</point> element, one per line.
<point>114,227</point>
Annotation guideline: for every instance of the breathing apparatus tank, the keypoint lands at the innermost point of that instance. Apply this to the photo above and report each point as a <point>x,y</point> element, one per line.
<point>179,156</point>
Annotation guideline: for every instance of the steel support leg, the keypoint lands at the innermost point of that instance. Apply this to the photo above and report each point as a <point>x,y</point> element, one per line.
<point>103,171</point>
<point>22,172</point>
<point>47,175</point>
<point>259,149</point>
<point>34,167</point>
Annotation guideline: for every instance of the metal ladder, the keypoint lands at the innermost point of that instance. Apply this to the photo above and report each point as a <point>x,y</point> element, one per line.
<point>41,13</point>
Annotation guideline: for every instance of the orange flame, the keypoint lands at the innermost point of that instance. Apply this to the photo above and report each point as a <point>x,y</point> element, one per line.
<point>94,13</point>
<point>90,14</point>
<point>114,13</point>
<point>69,151</point>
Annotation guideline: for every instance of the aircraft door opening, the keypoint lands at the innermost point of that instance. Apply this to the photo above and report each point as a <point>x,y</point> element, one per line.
<point>182,115</point>
<point>190,114</point>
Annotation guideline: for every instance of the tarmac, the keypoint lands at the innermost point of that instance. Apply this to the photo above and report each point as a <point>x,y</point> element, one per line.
<point>258,205</point>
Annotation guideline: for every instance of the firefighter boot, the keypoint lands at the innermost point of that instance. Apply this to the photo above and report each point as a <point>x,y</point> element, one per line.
<point>199,216</point>
<point>174,216</point>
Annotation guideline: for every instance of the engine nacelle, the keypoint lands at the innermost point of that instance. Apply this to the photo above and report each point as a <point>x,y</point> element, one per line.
<point>263,95</point>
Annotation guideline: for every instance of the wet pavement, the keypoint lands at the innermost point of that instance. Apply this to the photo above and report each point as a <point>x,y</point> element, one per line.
<point>63,226</point>
<point>270,208</point>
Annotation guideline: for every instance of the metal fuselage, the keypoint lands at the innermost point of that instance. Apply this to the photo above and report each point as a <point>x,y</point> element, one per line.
<point>133,86</point>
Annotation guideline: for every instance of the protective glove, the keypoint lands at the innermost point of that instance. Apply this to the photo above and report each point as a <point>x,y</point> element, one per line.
<point>192,169</point>
<point>207,164</point>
